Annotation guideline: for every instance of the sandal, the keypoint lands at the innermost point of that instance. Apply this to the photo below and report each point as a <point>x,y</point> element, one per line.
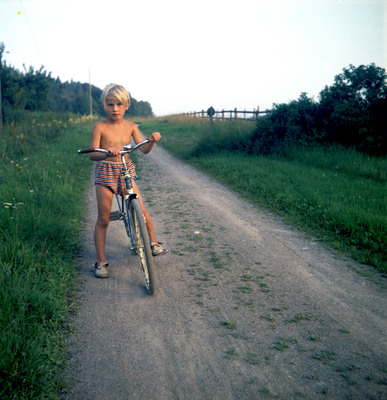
<point>100,270</point>
<point>157,249</point>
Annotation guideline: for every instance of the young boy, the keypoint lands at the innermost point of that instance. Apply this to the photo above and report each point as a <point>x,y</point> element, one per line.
<point>112,134</point>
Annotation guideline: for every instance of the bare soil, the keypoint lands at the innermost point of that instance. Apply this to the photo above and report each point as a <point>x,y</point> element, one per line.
<point>245,308</point>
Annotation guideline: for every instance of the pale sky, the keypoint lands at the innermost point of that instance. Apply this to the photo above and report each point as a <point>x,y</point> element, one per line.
<point>187,56</point>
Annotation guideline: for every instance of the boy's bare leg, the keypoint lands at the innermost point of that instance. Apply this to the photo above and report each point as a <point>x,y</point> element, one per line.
<point>148,219</point>
<point>104,199</point>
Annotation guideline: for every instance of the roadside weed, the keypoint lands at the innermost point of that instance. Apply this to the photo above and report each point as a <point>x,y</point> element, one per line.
<point>230,324</point>
<point>281,346</point>
<point>230,353</point>
<point>252,358</point>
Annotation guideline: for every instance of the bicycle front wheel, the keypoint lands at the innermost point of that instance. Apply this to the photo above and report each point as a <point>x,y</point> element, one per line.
<point>141,241</point>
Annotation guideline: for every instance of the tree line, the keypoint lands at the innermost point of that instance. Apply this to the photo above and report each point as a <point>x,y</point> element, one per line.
<point>75,97</point>
<point>37,90</point>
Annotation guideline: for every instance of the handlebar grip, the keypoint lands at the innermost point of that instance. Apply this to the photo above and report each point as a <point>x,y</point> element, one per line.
<point>82,151</point>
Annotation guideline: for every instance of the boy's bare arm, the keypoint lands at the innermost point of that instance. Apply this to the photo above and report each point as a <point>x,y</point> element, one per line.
<point>153,138</point>
<point>96,143</point>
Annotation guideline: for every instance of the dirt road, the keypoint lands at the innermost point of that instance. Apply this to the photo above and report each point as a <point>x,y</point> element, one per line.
<point>246,308</point>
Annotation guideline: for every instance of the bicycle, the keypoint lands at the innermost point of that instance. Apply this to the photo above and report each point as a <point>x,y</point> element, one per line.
<point>129,211</point>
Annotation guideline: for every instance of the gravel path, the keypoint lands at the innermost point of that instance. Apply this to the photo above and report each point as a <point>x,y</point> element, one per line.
<point>245,308</point>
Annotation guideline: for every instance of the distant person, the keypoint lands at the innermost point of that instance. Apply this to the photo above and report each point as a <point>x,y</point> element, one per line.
<point>112,134</point>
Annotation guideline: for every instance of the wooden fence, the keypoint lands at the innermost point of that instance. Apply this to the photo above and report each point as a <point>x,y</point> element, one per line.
<point>227,114</point>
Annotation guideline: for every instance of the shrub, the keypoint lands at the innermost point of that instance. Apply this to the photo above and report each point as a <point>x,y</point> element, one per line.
<point>351,113</point>
<point>287,125</point>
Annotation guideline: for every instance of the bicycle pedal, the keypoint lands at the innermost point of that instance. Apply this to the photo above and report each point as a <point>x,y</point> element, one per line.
<point>116,216</point>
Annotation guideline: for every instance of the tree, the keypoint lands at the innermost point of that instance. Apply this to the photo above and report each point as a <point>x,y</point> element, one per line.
<point>28,90</point>
<point>2,47</point>
<point>139,108</point>
<point>351,106</point>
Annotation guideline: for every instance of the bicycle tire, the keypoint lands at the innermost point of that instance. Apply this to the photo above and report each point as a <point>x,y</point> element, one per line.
<point>143,249</point>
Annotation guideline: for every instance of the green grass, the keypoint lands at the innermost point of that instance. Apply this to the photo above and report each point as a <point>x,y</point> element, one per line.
<point>336,194</point>
<point>41,214</point>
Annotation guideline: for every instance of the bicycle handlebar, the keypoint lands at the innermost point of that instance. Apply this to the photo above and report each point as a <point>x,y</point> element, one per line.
<point>122,152</point>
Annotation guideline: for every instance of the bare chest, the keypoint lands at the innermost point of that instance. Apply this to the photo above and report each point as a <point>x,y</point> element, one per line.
<point>115,138</point>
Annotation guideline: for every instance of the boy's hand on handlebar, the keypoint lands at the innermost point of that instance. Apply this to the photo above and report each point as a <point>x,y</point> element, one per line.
<point>113,151</point>
<point>154,137</point>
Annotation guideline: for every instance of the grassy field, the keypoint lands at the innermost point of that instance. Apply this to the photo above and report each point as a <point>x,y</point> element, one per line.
<point>338,195</point>
<point>41,213</point>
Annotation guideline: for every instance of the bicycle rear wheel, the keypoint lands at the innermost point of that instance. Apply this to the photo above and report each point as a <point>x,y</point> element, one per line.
<point>141,241</point>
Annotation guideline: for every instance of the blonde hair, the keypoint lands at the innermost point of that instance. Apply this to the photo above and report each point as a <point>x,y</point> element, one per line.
<point>117,92</point>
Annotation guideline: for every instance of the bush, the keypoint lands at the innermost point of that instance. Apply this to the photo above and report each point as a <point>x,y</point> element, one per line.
<point>351,113</point>
<point>296,123</point>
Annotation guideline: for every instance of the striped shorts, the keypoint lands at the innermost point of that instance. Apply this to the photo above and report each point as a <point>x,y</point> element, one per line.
<point>110,174</point>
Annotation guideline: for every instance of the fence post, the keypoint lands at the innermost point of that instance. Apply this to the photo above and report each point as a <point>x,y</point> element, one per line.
<point>223,114</point>
<point>257,112</point>
<point>211,113</point>
<point>236,113</point>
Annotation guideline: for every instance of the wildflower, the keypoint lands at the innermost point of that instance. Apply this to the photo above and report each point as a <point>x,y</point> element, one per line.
<point>7,204</point>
